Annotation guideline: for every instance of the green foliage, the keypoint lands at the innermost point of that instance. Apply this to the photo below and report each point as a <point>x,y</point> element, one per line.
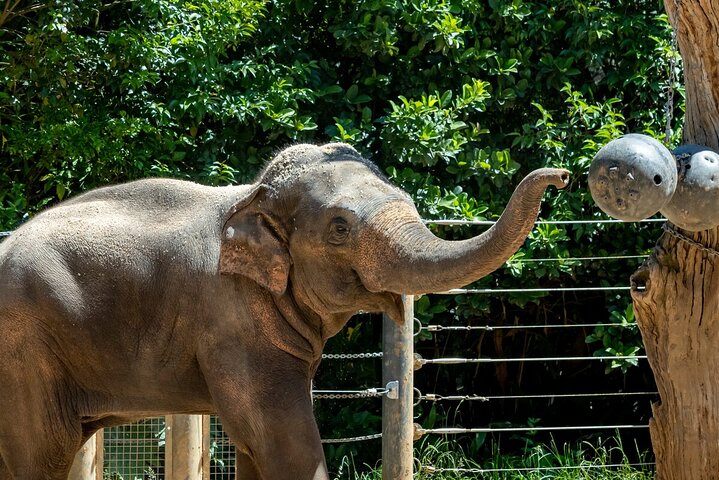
<point>441,460</point>
<point>455,99</point>
<point>621,340</point>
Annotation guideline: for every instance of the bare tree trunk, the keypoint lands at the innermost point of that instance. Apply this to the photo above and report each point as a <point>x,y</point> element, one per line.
<point>676,291</point>
<point>678,315</point>
<point>696,24</point>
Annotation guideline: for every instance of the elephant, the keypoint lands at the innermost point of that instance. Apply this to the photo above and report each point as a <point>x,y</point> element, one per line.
<point>163,296</point>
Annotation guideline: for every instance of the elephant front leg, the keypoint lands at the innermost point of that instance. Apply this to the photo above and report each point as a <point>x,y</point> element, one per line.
<point>268,414</point>
<point>279,435</point>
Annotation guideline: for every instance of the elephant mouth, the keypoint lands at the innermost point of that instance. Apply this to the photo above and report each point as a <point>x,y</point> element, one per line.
<point>378,300</point>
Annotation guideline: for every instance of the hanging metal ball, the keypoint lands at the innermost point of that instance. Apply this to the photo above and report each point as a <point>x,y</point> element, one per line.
<point>695,204</point>
<point>632,177</point>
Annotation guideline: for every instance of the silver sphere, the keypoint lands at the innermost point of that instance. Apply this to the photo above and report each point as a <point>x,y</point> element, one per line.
<point>695,204</point>
<point>632,177</point>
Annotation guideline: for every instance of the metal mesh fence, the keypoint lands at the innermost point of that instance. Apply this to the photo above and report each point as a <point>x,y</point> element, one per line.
<point>222,452</point>
<point>135,451</point>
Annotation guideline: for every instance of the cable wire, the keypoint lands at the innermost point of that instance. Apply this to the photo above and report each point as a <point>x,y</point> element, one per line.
<point>450,222</point>
<point>457,430</point>
<point>490,328</point>
<point>455,361</point>
<point>433,397</point>
<point>464,291</point>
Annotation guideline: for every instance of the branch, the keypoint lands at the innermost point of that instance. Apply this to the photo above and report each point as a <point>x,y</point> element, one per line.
<point>9,10</point>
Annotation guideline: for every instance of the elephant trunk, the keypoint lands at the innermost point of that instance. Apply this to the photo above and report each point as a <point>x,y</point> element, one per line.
<point>417,262</point>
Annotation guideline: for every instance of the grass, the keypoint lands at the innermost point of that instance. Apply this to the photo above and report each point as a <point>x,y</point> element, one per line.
<point>440,460</point>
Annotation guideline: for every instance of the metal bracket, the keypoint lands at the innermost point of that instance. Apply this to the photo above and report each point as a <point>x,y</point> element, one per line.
<point>392,389</point>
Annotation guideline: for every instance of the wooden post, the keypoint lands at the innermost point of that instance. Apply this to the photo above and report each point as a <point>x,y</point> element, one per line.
<point>99,454</point>
<point>85,466</point>
<point>183,447</point>
<point>397,413</point>
<point>206,447</point>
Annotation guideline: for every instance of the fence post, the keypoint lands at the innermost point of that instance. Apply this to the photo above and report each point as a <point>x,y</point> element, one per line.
<point>183,447</point>
<point>397,413</point>
<point>84,467</point>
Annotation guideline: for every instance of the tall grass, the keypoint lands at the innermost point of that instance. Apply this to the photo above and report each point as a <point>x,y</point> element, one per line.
<point>440,459</point>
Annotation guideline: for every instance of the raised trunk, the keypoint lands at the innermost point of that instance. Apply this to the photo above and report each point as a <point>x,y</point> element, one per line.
<point>676,291</point>
<point>417,262</point>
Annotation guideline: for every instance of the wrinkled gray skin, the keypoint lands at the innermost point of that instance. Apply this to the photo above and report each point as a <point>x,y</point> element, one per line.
<point>163,296</point>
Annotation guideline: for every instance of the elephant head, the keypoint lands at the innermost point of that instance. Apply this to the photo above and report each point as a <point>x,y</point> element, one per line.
<point>327,227</point>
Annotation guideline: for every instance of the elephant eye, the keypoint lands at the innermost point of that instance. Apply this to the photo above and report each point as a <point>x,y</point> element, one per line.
<point>339,231</point>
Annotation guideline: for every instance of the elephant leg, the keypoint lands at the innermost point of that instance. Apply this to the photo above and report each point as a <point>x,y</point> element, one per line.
<point>269,414</point>
<point>34,451</point>
<point>39,436</point>
<point>246,469</point>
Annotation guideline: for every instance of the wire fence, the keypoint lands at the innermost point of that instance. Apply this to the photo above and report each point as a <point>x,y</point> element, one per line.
<point>222,454</point>
<point>497,429</point>
<point>136,451</point>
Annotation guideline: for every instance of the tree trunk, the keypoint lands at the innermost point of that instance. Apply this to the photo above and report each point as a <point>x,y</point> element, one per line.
<point>676,291</point>
<point>696,25</point>
<point>678,315</point>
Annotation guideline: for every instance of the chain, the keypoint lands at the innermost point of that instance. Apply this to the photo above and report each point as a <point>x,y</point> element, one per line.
<point>352,439</point>
<point>339,395</point>
<point>350,356</point>
<point>671,231</point>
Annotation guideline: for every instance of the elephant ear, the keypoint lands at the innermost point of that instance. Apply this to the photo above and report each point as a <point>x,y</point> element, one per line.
<point>252,245</point>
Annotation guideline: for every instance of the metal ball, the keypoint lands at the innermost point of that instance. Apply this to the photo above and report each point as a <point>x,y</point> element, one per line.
<point>632,177</point>
<point>695,204</point>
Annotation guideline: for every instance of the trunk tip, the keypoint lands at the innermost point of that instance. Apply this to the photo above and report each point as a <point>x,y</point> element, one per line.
<point>559,177</point>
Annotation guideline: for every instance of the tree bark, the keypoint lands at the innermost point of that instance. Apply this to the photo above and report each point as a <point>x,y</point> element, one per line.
<point>696,25</point>
<point>676,291</point>
<point>678,315</point>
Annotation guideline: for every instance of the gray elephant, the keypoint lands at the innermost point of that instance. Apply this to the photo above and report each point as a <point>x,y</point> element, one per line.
<point>163,296</point>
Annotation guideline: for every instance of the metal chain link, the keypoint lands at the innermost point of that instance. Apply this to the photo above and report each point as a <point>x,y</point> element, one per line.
<point>350,356</point>
<point>671,231</point>
<point>352,439</point>
<point>340,394</point>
